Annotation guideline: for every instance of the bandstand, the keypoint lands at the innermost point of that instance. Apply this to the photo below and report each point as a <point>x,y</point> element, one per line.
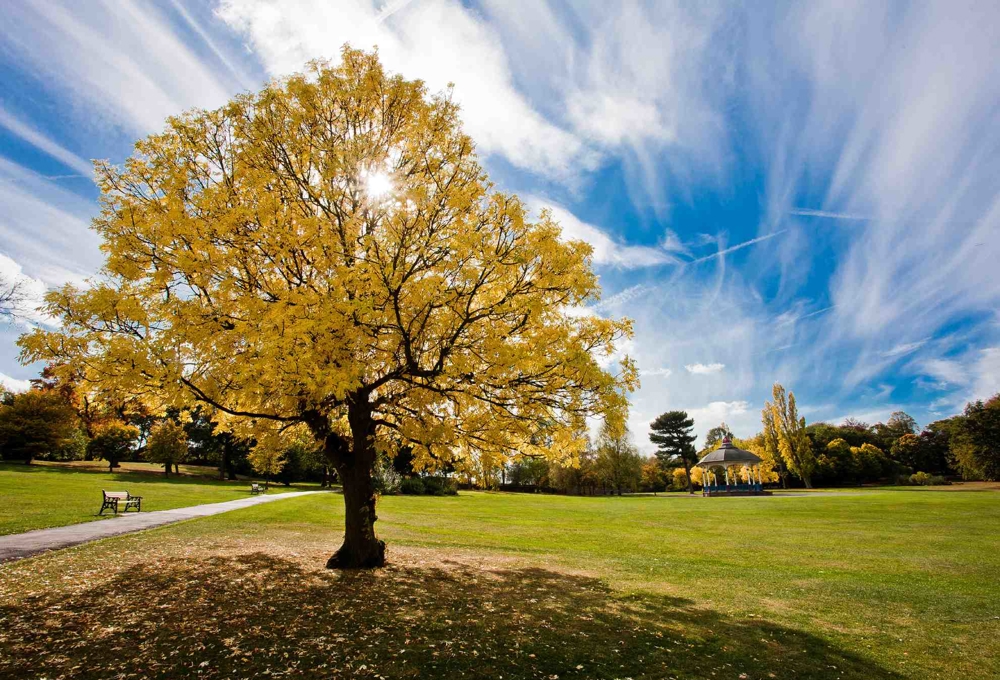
<point>725,457</point>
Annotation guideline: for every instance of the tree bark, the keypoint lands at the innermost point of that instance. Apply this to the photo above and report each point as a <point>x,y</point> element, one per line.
<point>361,548</point>
<point>687,471</point>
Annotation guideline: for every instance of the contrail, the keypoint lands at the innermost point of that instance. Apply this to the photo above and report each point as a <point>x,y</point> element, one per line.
<point>737,247</point>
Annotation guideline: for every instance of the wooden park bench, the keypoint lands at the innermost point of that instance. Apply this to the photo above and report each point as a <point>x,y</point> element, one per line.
<point>113,498</point>
<point>256,488</point>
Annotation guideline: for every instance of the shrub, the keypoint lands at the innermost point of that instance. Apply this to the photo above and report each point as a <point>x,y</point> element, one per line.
<point>412,486</point>
<point>925,479</point>
<point>387,480</point>
<point>440,486</point>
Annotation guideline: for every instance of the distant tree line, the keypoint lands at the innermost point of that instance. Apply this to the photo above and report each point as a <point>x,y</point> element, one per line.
<point>57,421</point>
<point>794,453</point>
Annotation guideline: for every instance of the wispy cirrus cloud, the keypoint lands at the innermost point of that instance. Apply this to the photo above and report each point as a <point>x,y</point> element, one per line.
<point>739,246</point>
<point>25,131</point>
<point>608,251</point>
<point>903,349</point>
<point>704,369</point>
<point>123,62</point>
<point>806,212</point>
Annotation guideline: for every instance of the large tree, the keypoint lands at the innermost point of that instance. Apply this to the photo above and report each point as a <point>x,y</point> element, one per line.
<point>35,423</point>
<point>618,463</point>
<point>329,254</point>
<point>672,432</point>
<point>786,431</point>
<point>975,442</point>
<point>168,445</point>
<point>714,437</point>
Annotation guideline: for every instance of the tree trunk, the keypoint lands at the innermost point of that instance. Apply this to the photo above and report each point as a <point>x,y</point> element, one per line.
<point>687,472</point>
<point>166,470</point>
<point>361,548</point>
<point>807,480</point>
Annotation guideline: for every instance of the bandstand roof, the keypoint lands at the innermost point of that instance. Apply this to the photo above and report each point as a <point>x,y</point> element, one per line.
<point>727,455</point>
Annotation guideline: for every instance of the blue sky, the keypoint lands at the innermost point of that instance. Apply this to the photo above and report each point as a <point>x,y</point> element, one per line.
<point>800,192</point>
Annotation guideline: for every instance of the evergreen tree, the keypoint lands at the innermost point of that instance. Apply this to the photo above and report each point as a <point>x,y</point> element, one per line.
<point>672,434</point>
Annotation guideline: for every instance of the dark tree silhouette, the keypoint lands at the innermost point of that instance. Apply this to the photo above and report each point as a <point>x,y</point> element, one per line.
<point>671,432</point>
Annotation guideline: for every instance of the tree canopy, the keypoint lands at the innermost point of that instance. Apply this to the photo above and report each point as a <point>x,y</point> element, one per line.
<point>328,253</point>
<point>168,445</point>
<point>785,436</point>
<point>35,423</point>
<point>672,432</point>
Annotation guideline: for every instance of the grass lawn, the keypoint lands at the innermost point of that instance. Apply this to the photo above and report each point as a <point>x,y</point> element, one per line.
<point>37,497</point>
<point>131,466</point>
<point>879,584</point>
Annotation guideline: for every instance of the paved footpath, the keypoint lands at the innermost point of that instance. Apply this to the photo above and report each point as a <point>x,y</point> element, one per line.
<point>18,546</point>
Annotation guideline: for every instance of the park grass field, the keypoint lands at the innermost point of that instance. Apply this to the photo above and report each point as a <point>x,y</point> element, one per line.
<point>38,497</point>
<point>880,584</point>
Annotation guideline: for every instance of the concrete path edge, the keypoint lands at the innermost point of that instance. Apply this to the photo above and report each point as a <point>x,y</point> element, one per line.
<point>18,546</point>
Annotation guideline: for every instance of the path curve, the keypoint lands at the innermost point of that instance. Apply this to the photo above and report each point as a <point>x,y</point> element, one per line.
<point>18,546</point>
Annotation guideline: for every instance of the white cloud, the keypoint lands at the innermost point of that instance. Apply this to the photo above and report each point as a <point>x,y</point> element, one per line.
<point>607,250</point>
<point>624,297</point>
<point>704,369</point>
<point>725,251</point>
<point>903,349</point>
<point>986,382</point>
<point>806,212</point>
<point>13,384</point>
<point>908,142</point>
<point>44,227</point>
<point>439,41</point>
<point>656,372</point>
<point>123,60</point>
<point>31,289</point>
<point>640,80</point>
<point>37,139</point>
<point>870,416</point>
<point>947,371</point>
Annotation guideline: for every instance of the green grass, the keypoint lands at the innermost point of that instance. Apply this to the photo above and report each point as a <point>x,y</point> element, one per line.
<point>879,584</point>
<point>38,497</point>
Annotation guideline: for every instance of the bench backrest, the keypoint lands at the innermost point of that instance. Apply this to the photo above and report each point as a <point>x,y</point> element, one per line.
<point>255,485</point>
<point>121,495</point>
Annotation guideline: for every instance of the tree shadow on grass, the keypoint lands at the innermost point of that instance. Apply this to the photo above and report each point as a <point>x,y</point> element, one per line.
<point>257,615</point>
